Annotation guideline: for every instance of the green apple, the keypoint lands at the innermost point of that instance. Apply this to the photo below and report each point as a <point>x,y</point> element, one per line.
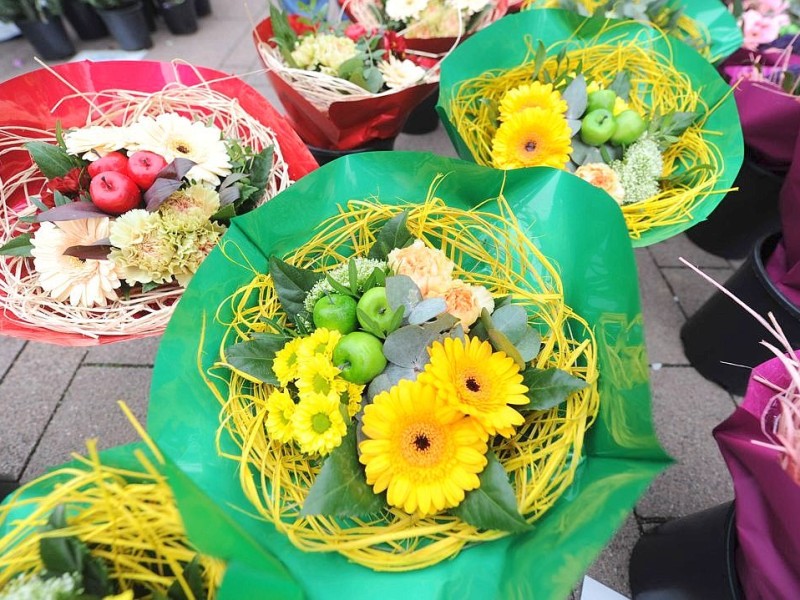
<point>335,311</point>
<point>375,306</point>
<point>359,356</point>
<point>601,99</point>
<point>597,127</point>
<point>630,127</point>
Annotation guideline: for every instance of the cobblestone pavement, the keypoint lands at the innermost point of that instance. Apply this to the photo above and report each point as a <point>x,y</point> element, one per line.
<point>52,398</point>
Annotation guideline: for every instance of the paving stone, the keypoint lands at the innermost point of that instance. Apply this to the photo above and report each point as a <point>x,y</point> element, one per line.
<point>134,352</point>
<point>691,289</point>
<point>89,410</point>
<point>29,393</point>
<point>686,408</point>
<point>436,142</point>
<point>9,350</point>
<point>611,567</point>
<point>226,32</point>
<point>667,253</point>
<point>662,315</point>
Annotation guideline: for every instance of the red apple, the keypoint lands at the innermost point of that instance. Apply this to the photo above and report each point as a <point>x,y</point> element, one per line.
<point>144,167</point>
<point>114,193</point>
<point>113,161</point>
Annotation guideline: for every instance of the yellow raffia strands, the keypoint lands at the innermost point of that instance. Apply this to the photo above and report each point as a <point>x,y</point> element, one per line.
<point>657,88</point>
<point>491,250</point>
<point>128,518</point>
<point>686,29</point>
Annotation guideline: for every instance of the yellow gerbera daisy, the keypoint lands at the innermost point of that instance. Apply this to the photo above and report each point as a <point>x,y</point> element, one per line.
<point>424,453</point>
<point>317,375</point>
<point>318,424</point>
<point>532,137</point>
<point>531,95</point>
<point>352,397</point>
<point>285,363</point>
<point>280,407</point>
<point>478,382</point>
<point>322,341</point>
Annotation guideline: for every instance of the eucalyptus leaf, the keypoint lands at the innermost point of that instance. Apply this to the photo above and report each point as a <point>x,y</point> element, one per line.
<point>621,85</point>
<point>511,320</point>
<point>402,291</point>
<point>394,234</point>
<point>408,346</point>
<point>292,284</point>
<point>576,97</point>
<point>427,310</point>
<point>530,345</point>
<point>549,387</point>
<point>391,376</point>
<point>493,505</point>
<point>574,126</point>
<point>501,343</point>
<point>255,357</point>
<point>17,246</point>
<point>53,161</point>
<point>341,489</point>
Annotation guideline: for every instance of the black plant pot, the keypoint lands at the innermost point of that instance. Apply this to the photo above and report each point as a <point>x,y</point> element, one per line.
<point>743,217</point>
<point>324,155</point>
<point>424,118</point>
<point>84,20</point>
<point>128,26</point>
<point>181,18</point>
<point>202,7</point>
<point>722,331</point>
<point>149,10</point>
<point>49,38</point>
<point>7,485</point>
<point>692,558</point>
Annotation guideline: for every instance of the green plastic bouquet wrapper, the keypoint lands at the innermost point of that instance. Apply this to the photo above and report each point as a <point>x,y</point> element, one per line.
<point>597,268</point>
<point>506,39</point>
<point>258,575</point>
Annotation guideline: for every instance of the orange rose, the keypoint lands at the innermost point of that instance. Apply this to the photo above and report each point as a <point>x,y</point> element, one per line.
<point>604,177</point>
<point>465,302</point>
<point>429,268</point>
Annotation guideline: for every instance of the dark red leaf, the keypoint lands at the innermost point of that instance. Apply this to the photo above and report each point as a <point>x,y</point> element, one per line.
<point>169,180</point>
<point>71,212</point>
<point>97,251</point>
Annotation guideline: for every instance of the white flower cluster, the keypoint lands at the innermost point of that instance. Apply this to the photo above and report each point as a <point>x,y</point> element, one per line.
<point>36,587</point>
<point>400,73</point>
<point>323,52</point>
<point>640,170</point>
<point>341,274</point>
<point>410,10</point>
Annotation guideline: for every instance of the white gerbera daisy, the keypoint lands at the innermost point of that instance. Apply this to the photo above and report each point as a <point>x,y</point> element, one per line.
<point>96,141</point>
<point>173,136</point>
<point>400,73</point>
<point>405,10</point>
<point>82,282</point>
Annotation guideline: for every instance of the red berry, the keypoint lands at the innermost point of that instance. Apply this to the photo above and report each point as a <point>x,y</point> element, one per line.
<point>114,193</point>
<point>144,167</point>
<point>113,161</point>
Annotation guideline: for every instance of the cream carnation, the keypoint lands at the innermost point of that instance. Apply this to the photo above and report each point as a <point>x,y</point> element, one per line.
<point>192,248</point>
<point>96,141</point>
<point>603,176</point>
<point>143,250</point>
<point>324,52</point>
<point>173,136</point>
<point>189,209</point>
<point>400,73</point>
<point>405,10</point>
<point>465,302</point>
<point>429,268</point>
<point>66,278</point>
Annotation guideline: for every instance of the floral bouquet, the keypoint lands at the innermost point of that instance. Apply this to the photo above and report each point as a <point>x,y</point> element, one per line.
<point>434,26</point>
<point>406,378</point>
<point>342,88</point>
<point>111,201</point>
<point>706,25</point>
<point>620,104</point>
<point>763,22</point>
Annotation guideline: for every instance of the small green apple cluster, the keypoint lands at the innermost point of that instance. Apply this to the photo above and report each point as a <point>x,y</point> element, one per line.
<point>600,125</point>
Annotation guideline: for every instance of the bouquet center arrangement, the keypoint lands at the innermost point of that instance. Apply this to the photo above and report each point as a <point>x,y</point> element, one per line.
<point>407,382</point>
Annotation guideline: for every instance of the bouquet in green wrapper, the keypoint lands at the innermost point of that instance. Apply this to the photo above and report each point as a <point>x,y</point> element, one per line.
<point>621,105</point>
<point>361,407</point>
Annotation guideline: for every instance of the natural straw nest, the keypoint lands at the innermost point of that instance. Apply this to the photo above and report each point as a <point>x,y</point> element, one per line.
<point>139,314</point>
<point>128,518</point>
<point>686,29</point>
<point>657,87</point>
<point>489,249</point>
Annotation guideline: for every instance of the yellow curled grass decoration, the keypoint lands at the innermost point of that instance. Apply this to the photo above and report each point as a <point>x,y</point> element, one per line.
<point>490,250</point>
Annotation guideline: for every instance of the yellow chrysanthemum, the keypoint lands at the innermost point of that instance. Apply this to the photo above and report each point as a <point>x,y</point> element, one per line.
<point>531,95</point>
<point>322,341</point>
<point>530,138</point>
<point>285,363</point>
<point>280,407</point>
<point>477,381</point>
<point>318,424</point>
<point>353,396</point>
<point>424,453</point>
<point>317,375</point>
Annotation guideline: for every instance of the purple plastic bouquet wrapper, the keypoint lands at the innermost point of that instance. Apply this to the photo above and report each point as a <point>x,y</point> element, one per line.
<point>767,499</point>
<point>770,117</point>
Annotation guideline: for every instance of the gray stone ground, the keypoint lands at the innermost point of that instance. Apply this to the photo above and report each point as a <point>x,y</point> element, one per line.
<point>52,399</point>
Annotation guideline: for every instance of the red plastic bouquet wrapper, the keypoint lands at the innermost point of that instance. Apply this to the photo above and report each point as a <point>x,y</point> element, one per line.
<point>28,100</point>
<point>347,124</point>
<point>767,499</point>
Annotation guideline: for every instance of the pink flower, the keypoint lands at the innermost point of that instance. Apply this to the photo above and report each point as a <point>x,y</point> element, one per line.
<point>759,29</point>
<point>766,7</point>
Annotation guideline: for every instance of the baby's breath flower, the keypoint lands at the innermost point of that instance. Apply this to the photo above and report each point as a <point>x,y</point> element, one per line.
<point>640,170</point>
<point>340,274</point>
<point>35,587</point>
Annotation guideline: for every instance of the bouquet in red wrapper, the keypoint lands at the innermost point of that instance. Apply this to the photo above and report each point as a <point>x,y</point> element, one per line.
<point>111,202</point>
<point>342,88</point>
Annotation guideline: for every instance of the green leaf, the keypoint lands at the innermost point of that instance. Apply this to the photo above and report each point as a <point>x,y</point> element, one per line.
<point>62,554</point>
<point>341,488</point>
<point>621,85</point>
<point>576,97</point>
<point>260,172</point>
<point>254,357</point>
<point>511,320</point>
<point>291,284</point>
<point>18,246</point>
<point>193,575</point>
<point>339,288</point>
<point>501,343</point>
<point>373,80</point>
<point>283,34</point>
<point>549,387</point>
<point>51,160</point>
<point>394,234</point>
<point>352,275</point>
<point>224,213</point>
<point>493,505</point>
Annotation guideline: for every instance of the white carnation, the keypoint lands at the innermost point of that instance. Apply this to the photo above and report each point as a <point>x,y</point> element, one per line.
<point>400,73</point>
<point>405,10</point>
